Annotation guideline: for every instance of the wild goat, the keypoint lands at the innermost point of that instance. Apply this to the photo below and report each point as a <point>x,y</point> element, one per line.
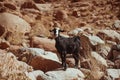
<point>67,46</point>
<point>111,55</point>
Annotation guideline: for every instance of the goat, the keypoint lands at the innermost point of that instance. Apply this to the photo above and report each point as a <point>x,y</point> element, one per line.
<point>67,46</point>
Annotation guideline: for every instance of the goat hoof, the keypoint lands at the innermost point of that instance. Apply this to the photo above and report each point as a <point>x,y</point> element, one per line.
<point>64,68</point>
<point>76,67</point>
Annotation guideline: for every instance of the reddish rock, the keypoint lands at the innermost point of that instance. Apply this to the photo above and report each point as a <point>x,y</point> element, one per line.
<point>39,59</point>
<point>4,45</point>
<point>117,78</point>
<point>29,4</point>
<point>10,6</point>
<point>60,15</point>
<point>40,63</point>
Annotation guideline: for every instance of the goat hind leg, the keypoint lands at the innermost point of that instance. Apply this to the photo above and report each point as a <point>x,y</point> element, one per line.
<point>76,58</point>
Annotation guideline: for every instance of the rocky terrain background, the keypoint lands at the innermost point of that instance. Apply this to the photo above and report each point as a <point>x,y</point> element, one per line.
<point>27,50</point>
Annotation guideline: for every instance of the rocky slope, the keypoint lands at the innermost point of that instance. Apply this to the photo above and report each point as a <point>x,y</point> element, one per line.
<point>28,52</point>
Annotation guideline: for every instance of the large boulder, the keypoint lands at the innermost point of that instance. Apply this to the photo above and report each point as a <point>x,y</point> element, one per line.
<point>44,43</point>
<point>13,27</point>
<point>40,63</point>
<point>13,69</point>
<point>110,35</point>
<point>95,40</point>
<point>39,59</point>
<point>92,40</point>
<point>69,74</point>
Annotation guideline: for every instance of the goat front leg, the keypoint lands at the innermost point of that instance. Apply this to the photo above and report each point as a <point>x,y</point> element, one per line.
<point>63,57</point>
<point>76,58</point>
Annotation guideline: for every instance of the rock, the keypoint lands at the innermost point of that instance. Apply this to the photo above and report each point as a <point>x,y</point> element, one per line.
<point>39,1</point>
<point>85,14</point>
<point>87,29</point>
<point>39,30</point>
<point>117,64</point>
<point>95,40</point>
<point>75,0</point>
<point>114,53</point>
<point>83,9</point>
<point>99,59</point>
<point>39,59</point>
<point>60,15</point>
<point>116,24</point>
<point>44,43</point>
<point>15,50</point>
<point>35,74</point>
<point>114,73</point>
<point>4,44</point>
<point>103,50</point>
<point>10,6</point>
<point>35,51</point>
<point>44,54</point>
<point>117,78</point>
<point>75,31</point>
<point>44,7</point>
<point>13,69</point>
<point>57,75</point>
<point>29,4</point>
<point>110,64</point>
<point>76,13</point>
<point>109,35</point>
<point>70,62</point>
<point>3,51</point>
<point>44,1</point>
<point>69,74</point>
<point>15,27</point>
<point>44,64</point>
